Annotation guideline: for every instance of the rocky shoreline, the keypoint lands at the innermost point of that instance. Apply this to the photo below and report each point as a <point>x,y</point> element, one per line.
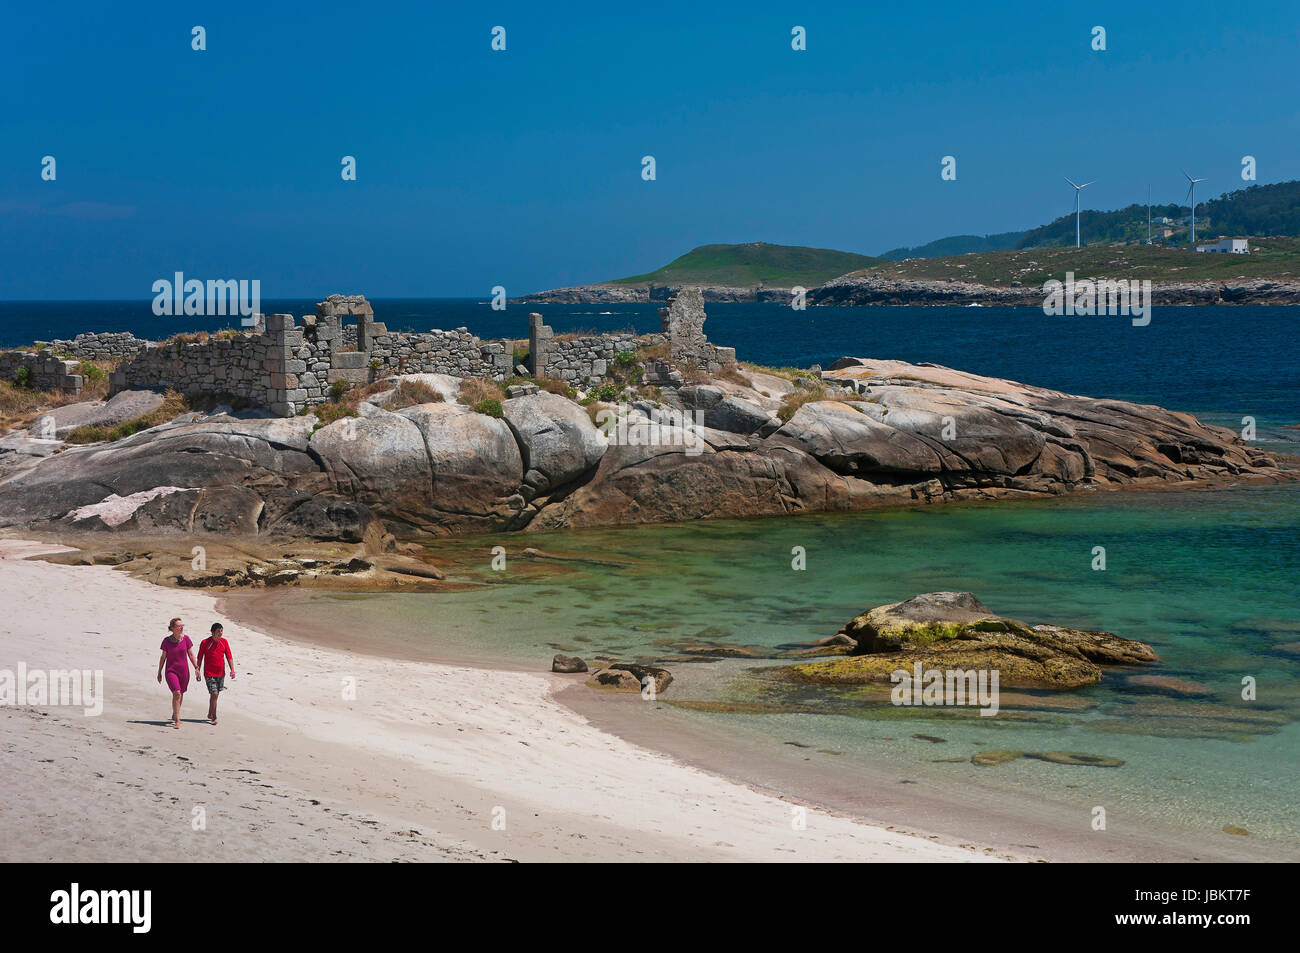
<point>868,433</point>
<point>860,290</point>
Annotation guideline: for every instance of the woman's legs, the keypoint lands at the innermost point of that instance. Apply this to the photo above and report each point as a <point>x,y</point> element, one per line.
<point>176,708</point>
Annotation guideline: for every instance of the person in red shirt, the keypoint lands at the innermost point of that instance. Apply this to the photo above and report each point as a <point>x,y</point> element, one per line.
<point>214,652</point>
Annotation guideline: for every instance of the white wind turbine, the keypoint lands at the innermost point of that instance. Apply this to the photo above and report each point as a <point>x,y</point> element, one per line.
<point>1191,192</point>
<point>1077,190</point>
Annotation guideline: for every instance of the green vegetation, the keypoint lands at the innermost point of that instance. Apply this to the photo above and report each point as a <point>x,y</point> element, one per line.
<point>1268,258</point>
<point>483,396</point>
<point>173,405</point>
<point>957,245</point>
<point>327,414</point>
<point>797,398</point>
<point>746,266</point>
<point>1257,210</point>
<point>789,373</point>
<point>411,393</point>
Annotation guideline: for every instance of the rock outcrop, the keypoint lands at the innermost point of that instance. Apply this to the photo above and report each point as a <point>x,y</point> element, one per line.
<point>856,289</point>
<point>954,630</point>
<point>867,289</point>
<point>888,433</point>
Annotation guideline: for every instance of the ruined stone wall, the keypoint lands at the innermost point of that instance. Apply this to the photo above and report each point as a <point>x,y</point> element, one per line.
<point>457,353</point>
<point>580,359</point>
<point>286,366</point>
<point>589,357</point>
<point>289,366</point>
<point>235,367</point>
<point>106,346</point>
<point>44,371</point>
<point>682,323</point>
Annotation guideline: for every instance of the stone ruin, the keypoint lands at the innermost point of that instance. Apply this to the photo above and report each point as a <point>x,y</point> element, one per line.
<point>44,370</point>
<point>587,357</point>
<point>288,366</point>
<point>682,324</point>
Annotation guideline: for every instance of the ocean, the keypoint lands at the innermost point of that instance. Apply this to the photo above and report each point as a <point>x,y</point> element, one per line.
<point>1221,362</point>
<point>1207,577</point>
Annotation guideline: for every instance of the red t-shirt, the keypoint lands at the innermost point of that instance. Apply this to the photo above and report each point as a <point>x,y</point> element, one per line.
<point>213,653</point>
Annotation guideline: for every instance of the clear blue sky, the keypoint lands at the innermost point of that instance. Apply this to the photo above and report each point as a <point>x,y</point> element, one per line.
<point>477,168</point>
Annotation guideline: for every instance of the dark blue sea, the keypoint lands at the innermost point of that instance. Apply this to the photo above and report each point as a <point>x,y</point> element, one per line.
<point>1221,362</point>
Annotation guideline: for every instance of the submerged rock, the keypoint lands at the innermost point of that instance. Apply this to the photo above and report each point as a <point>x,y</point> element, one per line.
<point>994,758</point>
<point>1165,685</point>
<point>1072,758</point>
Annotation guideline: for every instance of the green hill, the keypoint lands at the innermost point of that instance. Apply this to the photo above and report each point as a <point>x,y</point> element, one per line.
<point>957,245</point>
<point>1257,210</point>
<point>746,266</point>
<point>1268,258</point>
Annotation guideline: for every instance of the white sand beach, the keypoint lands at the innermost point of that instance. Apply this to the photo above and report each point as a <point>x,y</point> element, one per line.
<point>416,768</point>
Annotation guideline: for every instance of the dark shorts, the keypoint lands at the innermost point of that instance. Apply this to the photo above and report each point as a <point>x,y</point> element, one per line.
<point>216,683</point>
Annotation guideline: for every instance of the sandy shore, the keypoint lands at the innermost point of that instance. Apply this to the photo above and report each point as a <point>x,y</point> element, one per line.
<point>418,766</point>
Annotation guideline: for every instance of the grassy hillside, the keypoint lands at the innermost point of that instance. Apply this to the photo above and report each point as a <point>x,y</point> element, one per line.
<point>745,266</point>
<point>957,245</point>
<point>1269,258</point>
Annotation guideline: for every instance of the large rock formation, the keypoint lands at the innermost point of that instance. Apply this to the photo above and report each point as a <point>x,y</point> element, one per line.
<point>890,433</point>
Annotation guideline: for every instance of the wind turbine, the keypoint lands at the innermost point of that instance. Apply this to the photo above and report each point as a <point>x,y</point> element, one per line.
<point>1191,191</point>
<point>1077,190</point>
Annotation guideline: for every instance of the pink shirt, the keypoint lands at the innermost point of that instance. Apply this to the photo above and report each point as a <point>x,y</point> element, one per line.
<point>178,659</point>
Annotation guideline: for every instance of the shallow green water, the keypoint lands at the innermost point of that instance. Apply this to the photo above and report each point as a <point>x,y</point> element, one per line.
<point>1207,578</point>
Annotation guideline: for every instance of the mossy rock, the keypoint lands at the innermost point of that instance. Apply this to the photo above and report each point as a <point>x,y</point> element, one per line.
<point>954,630</point>
<point>1014,670</point>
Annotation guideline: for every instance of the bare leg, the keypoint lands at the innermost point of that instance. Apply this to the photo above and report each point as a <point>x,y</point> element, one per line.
<point>176,709</point>
<point>212,707</point>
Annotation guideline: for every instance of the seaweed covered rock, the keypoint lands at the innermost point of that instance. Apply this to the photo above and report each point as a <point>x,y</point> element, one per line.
<point>954,630</point>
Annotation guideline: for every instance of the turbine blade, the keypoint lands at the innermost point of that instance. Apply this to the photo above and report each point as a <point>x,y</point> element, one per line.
<point>1067,179</point>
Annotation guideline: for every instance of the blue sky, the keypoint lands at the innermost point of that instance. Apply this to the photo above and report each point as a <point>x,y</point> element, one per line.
<point>523,168</point>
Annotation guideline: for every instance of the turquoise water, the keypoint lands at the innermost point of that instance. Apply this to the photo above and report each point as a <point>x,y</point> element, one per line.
<point>1206,577</point>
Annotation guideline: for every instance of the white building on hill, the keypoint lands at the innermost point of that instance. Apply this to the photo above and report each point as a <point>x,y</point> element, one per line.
<point>1230,246</point>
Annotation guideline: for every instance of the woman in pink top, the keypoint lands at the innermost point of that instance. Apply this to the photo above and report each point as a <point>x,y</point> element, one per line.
<point>177,658</point>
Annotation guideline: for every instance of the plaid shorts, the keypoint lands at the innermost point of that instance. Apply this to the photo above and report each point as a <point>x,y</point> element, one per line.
<point>216,683</point>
